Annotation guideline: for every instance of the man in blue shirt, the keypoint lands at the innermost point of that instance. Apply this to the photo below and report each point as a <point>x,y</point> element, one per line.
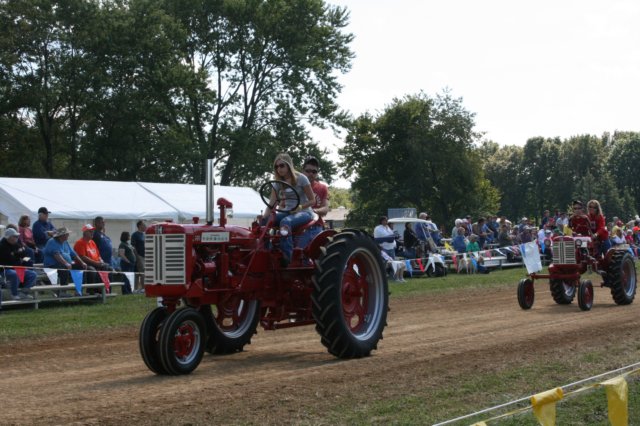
<point>42,230</point>
<point>105,247</point>
<point>58,254</point>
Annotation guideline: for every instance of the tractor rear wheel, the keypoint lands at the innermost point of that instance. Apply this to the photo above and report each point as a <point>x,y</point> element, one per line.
<point>181,343</point>
<point>351,295</point>
<point>230,324</point>
<point>622,273</point>
<point>526,293</point>
<point>148,339</point>
<point>562,292</point>
<point>585,295</point>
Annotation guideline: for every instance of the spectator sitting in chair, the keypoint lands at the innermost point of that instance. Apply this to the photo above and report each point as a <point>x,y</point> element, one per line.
<point>127,256</point>
<point>426,230</point>
<point>629,237</point>
<point>43,230</point>
<point>28,252</point>
<point>59,255</point>
<point>26,237</point>
<point>481,229</point>
<point>385,237</point>
<point>410,241</point>
<point>618,239</point>
<point>459,242</point>
<point>86,248</point>
<point>102,240</point>
<point>454,230</point>
<point>13,254</point>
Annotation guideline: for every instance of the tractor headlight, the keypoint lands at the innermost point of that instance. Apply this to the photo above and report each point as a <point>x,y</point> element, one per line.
<point>578,243</point>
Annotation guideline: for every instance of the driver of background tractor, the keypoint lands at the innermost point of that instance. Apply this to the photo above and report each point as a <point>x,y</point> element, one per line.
<point>289,220</point>
<point>579,221</point>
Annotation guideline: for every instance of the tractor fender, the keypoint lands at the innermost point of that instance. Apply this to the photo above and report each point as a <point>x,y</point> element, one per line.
<point>312,251</point>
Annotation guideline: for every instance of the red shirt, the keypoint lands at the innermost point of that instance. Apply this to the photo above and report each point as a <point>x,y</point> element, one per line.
<point>580,224</point>
<point>321,192</point>
<point>87,248</point>
<point>598,227</point>
<point>26,236</point>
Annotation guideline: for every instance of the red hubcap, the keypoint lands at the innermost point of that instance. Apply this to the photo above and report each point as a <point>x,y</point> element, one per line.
<point>355,293</point>
<point>184,341</point>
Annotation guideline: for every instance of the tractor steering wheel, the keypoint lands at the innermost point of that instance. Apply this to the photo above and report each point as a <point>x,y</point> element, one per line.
<point>282,194</point>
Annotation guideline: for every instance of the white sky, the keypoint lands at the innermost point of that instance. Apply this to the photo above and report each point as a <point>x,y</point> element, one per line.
<point>537,68</point>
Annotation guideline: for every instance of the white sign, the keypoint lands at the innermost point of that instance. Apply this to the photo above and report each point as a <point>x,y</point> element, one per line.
<point>215,237</point>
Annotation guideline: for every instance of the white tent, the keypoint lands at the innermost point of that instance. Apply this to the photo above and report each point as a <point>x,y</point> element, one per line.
<point>122,204</point>
<point>189,200</point>
<point>80,199</point>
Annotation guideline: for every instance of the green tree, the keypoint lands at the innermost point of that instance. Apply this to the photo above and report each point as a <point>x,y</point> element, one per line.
<point>622,162</point>
<point>502,168</point>
<point>269,68</point>
<point>340,197</point>
<point>40,62</point>
<point>418,153</point>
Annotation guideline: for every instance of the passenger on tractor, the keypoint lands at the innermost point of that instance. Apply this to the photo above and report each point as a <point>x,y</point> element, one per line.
<point>289,220</point>
<point>311,169</point>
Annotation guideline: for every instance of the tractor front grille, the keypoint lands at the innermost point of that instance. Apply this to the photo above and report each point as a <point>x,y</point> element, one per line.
<point>564,252</point>
<point>164,261</point>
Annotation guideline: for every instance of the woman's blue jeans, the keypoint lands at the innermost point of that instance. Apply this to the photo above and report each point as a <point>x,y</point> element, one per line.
<point>291,221</point>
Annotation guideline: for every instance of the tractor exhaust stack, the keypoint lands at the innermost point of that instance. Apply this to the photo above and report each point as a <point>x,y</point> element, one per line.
<point>209,189</point>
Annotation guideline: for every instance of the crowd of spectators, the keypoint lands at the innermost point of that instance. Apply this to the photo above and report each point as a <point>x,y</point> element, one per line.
<point>491,232</point>
<point>43,245</point>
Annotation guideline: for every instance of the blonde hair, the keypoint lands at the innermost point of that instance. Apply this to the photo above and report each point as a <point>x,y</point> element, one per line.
<point>597,204</point>
<point>285,158</point>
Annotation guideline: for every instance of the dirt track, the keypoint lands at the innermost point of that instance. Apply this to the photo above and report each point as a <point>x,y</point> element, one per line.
<point>286,376</point>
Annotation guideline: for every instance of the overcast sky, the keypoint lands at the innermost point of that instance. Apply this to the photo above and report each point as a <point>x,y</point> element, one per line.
<point>538,68</point>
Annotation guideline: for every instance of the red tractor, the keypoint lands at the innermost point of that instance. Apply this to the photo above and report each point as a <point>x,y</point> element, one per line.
<point>217,282</point>
<point>575,256</point>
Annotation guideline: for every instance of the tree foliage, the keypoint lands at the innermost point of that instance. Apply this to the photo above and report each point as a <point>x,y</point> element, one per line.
<point>418,153</point>
<point>146,90</point>
<point>550,173</point>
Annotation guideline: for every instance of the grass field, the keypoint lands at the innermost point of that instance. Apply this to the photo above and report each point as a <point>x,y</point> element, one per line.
<point>458,396</point>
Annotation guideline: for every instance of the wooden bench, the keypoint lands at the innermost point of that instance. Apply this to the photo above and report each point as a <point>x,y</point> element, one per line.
<point>58,293</point>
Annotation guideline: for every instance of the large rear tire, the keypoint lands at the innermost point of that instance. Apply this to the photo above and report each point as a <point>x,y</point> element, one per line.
<point>149,337</point>
<point>585,295</point>
<point>350,296</point>
<point>230,324</point>
<point>562,292</point>
<point>622,273</point>
<point>526,293</point>
<point>182,340</point>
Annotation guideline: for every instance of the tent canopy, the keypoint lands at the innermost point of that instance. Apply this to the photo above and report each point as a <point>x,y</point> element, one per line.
<point>83,199</point>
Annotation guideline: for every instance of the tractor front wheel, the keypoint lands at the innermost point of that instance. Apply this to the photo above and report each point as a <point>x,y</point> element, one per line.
<point>231,324</point>
<point>350,296</point>
<point>562,292</point>
<point>585,295</point>
<point>149,337</point>
<point>181,343</point>
<point>526,293</point>
<point>622,273</point>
